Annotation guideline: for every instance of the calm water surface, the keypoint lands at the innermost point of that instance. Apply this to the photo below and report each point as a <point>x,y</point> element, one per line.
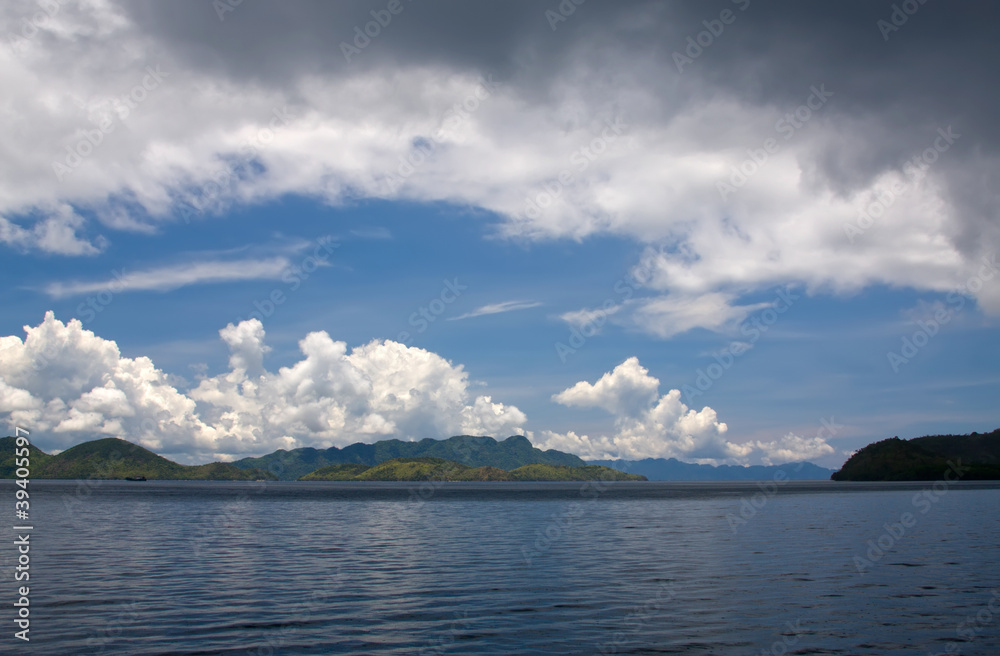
<point>654,568</point>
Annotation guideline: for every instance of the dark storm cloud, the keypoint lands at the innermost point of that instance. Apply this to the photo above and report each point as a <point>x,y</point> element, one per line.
<point>934,70</point>
<point>275,42</point>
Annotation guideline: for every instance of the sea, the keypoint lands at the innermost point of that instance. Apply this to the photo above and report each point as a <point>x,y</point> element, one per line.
<point>267,568</point>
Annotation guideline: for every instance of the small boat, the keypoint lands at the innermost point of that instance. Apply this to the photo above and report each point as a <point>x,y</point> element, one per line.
<point>135,478</point>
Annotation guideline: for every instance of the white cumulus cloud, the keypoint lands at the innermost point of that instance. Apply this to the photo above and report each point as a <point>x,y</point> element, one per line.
<point>647,425</point>
<point>71,385</point>
<point>650,425</point>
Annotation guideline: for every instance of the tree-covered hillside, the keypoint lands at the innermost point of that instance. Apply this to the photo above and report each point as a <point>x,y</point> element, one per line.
<point>470,450</point>
<point>439,469</point>
<point>925,458</point>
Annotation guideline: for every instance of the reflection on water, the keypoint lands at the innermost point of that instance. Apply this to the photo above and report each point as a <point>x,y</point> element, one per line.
<point>227,568</point>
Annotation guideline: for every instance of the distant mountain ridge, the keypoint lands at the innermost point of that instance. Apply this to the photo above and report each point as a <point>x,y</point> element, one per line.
<point>925,458</point>
<point>470,450</point>
<point>114,458</point>
<point>671,469</point>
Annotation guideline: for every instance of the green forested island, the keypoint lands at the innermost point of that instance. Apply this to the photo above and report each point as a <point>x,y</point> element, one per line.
<point>113,458</point>
<point>480,458</point>
<point>925,458</point>
<point>439,469</point>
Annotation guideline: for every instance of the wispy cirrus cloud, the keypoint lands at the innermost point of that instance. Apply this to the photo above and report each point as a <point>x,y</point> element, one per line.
<point>668,315</point>
<point>175,276</point>
<point>580,318</point>
<point>497,308</point>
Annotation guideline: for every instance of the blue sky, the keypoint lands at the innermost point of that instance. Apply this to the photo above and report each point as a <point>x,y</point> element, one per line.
<point>772,318</point>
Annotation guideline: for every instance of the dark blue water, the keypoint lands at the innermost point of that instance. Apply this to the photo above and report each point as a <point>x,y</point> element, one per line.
<point>654,568</point>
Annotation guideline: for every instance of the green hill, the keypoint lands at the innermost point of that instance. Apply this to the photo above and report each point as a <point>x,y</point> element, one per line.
<point>8,457</point>
<point>439,469</point>
<point>113,458</point>
<point>925,458</point>
<point>469,450</point>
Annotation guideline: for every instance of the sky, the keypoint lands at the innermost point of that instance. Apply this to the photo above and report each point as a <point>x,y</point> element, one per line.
<point>726,232</point>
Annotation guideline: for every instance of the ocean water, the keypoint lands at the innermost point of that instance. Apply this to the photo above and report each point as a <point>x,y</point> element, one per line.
<point>559,568</point>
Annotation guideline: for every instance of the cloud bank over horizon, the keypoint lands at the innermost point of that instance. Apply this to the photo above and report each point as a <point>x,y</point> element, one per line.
<point>331,397</point>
